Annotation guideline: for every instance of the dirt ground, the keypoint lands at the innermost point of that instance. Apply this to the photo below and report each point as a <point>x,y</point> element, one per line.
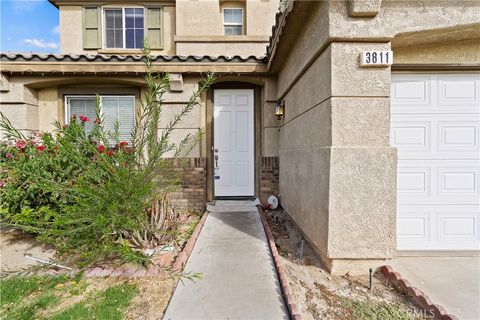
<point>150,303</point>
<point>320,295</point>
<point>154,293</point>
<point>14,244</point>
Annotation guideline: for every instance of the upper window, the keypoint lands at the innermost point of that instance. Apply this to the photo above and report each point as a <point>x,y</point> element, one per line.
<point>124,28</point>
<point>233,21</point>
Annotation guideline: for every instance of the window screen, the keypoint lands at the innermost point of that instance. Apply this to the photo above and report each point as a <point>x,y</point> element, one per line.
<point>130,35</point>
<point>233,21</point>
<point>121,109</point>
<point>113,108</point>
<point>114,28</point>
<point>133,27</point>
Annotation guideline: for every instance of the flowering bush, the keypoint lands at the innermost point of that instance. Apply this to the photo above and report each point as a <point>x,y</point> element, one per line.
<point>90,194</point>
<point>42,169</point>
<point>70,187</point>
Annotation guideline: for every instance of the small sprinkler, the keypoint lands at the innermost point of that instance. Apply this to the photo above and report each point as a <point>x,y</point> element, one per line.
<point>370,278</point>
<point>301,250</point>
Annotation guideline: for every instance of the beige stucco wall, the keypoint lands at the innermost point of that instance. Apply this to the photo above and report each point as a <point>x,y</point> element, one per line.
<point>225,48</point>
<point>328,20</point>
<point>260,16</point>
<point>19,103</point>
<point>36,102</point>
<point>71,32</point>
<point>189,124</point>
<point>338,172</point>
<point>334,154</point>
<point>183,20</point>
<point>204,19</point>
<point>464,51</point>
<point>49,110</point>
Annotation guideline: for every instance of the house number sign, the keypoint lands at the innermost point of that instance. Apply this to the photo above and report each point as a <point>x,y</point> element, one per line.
<point>376,58</point>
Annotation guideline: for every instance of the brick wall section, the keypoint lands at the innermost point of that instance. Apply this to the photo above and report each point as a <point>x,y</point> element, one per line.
<point>193,190</point>
<point>269,177</point>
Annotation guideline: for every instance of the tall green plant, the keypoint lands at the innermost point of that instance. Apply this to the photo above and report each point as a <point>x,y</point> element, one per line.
<point>90,198</point>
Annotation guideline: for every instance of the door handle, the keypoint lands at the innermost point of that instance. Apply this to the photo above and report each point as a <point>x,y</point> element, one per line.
<point>216,161</point>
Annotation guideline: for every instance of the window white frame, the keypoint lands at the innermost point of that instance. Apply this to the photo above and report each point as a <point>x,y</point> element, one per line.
<point>67,108</point>
<point>229,24</point>
<point>124,29</point>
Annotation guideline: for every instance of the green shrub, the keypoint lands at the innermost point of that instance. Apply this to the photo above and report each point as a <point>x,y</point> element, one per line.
<point>89,193</point>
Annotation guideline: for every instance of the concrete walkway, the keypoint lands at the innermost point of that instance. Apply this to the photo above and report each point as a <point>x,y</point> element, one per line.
<point>238,275</point>
<point>452,282</point>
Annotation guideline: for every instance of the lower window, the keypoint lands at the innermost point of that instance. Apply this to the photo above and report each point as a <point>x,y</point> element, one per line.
<point>113,108</point>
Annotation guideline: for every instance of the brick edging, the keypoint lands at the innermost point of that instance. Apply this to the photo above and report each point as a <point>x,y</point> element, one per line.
<point>282,276</point>
<point>153,269</point>
<point>183,256</point>
<point>417,295</point>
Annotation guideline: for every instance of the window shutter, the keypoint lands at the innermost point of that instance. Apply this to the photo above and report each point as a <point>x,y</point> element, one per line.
<point>154,26</point>
<point>91,28</point>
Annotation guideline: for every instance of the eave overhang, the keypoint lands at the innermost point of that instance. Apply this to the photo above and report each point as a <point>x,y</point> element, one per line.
<point>128,64</point>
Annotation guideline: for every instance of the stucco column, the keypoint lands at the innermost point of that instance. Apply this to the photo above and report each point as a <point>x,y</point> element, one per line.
<point>362,184</point>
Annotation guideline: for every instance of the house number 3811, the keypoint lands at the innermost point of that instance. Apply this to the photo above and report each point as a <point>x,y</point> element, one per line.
<point>376,58</point>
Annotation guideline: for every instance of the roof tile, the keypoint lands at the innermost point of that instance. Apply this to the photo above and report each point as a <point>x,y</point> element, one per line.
<point>16,57</point>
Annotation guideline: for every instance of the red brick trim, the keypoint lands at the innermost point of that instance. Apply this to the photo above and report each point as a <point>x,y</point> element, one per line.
<point>187,249</point>
<point>157,267</point>
<point>417,295</point>
<point>282,276</point>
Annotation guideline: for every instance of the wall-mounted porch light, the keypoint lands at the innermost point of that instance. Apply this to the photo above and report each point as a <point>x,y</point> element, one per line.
<point>280,109</point>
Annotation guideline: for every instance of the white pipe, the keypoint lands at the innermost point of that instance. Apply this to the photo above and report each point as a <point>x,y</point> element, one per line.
<point>47,262</point>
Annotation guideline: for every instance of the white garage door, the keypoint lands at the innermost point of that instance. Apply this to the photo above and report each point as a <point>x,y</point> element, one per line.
<point>435,124</point>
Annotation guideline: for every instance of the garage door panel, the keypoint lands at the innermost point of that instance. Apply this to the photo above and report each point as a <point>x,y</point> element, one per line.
<point>436,136</point>
<point>438,181</point>
<point>435,125</point>
<point>435,94</point>
<point>414,181</point>
<point>414,225</point>
<point>438,227</point>
<point>411,135</point>
<point>411,91</point>
<point>458,182</point>
<point>455,225</point>
<point>460,136</point>
<point>458,90</point>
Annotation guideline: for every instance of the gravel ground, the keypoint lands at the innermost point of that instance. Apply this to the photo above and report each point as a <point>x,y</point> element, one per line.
<point>320,295</point>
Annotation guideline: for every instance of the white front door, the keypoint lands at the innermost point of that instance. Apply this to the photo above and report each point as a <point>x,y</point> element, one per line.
<point>435,124</point>
<point>233,143</point>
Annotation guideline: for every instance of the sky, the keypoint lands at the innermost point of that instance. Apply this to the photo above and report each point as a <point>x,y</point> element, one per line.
<point>29,26</point>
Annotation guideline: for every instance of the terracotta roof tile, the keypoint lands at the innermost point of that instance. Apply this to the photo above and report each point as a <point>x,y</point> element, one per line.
<point>16,57</point>
<point>281,19</point>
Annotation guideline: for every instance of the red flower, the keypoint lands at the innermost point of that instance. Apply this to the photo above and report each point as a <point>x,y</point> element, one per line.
<point>9,156</point>
<point>84,119</point>
<point>40,148</point>
<point>109,153</point>
<point>101,148</point>
<point>123,143</point>
<point>20,144</point>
